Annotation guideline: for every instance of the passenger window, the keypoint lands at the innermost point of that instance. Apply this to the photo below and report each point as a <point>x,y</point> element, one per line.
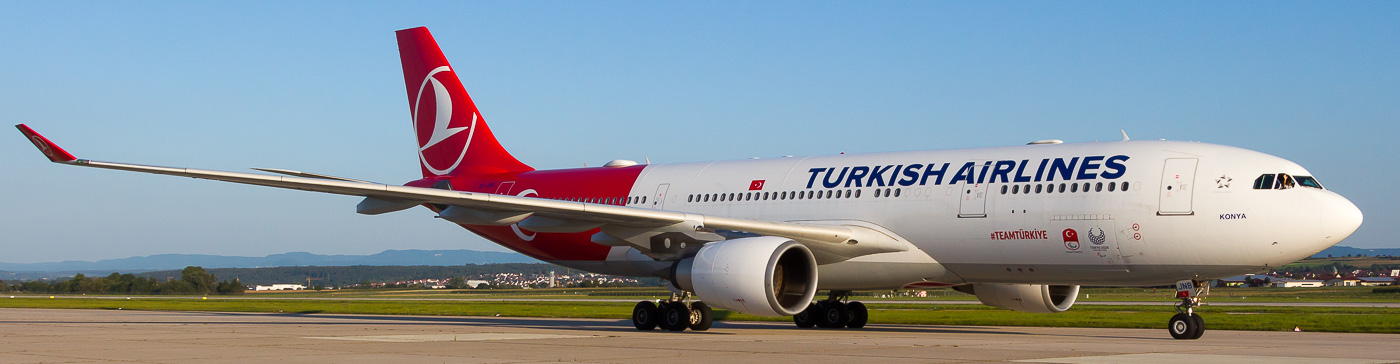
<point>644,199</point>
<point>1015,189</point>
<point>1062,188</point>
<point>1098,187</point>
<point>896,192</point>
<point>1086,186</point>
<point>690,198</point>
<point>848,193</point>
<point>1037,188</point>
<point>1003,191</point>
<point>1073,187</point>
<point>1125,186</point>
<point>857,193</point>
<point>1111,185</point>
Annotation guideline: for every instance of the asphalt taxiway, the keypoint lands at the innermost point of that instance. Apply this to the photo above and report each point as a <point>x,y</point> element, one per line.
<point>85,336</point>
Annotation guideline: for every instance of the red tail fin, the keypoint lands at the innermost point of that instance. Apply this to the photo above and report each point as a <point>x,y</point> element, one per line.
<point>452,137</point>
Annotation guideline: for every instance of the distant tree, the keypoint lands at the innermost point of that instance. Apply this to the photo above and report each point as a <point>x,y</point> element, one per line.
<point>457,283</point>
<point>175,286</point>
<point>4,287</point>
<point>199,279</point>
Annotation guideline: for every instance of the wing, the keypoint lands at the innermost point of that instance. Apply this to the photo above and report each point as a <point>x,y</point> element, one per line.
<point>619,225</point>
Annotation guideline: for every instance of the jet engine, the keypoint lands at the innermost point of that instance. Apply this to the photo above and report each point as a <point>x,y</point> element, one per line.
<point>1035,298</point>
<point>764,276</point>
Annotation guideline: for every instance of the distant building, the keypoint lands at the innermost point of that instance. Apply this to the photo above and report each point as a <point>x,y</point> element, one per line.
<point>1376,281</point>
<point>279,287</point>
<point>1294,283</point>
<point>1236,281</point>
<point>1342,282</point>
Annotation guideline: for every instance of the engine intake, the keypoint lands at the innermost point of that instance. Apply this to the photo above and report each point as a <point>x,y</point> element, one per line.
<point>764,276</point>
<point>1036,298</point>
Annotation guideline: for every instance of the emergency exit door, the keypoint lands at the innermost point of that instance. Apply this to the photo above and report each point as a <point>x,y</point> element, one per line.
<point>1178,184</point>
<point>974,200</point>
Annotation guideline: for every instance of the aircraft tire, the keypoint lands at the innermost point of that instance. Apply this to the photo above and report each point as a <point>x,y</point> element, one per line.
<point>1200,326</point>
<point>833,315</point>
<point>645,316</point>
<point>675,316</point>
<point>807,318</point>
<point>858,315</point>
<point>701,316</point>
<point>1181,326</point>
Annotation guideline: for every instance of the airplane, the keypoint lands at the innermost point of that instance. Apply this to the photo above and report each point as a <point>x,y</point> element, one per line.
<point>1021,227</point>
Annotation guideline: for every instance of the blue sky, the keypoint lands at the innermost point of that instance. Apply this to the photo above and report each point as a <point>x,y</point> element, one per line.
<point>316,86</point>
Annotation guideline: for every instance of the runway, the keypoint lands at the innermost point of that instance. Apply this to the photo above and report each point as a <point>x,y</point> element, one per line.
<point>86,336</point>
<point>631,300</point>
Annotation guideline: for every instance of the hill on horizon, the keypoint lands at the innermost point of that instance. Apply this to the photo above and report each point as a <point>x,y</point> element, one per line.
<point>180,261</point>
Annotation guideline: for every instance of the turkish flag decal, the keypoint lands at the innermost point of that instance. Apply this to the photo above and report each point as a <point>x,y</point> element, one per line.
<point>756,185</point>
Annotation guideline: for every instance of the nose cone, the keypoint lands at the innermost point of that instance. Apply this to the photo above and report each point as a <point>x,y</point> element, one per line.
<point>1339,218</point>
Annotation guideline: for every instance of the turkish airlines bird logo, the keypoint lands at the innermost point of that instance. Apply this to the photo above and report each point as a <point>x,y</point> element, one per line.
<point>440,147</point>
<point>43,147</point>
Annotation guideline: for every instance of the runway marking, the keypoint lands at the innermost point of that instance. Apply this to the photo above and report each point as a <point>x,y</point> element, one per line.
<point>448,337</point>
<point>1178,358</point>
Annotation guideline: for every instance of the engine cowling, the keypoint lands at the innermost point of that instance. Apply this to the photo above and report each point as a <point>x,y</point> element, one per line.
<point>1036,298</point>
<point>764,276</point>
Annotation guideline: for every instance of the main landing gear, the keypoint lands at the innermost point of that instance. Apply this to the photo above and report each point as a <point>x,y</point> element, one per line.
<point>1187,324</point>
<point>675,314</point>
<point>832,313</point>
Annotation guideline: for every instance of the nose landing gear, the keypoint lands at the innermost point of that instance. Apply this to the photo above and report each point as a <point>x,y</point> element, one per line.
<point>832,313</point>
<point>1187,324</point>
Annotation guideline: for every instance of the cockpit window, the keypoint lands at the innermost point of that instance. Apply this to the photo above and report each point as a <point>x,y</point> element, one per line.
<point>1308,181</point>
<point>1264,182</point>
<point>1283,181</point>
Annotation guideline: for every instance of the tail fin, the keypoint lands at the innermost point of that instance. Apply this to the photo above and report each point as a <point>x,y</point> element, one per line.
<point>453,140</point>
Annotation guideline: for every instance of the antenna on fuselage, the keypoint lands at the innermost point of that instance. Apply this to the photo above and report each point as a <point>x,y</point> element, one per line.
<point>1125,134</point>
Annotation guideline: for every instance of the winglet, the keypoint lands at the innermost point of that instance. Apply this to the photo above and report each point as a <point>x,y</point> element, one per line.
<point>50,150</point>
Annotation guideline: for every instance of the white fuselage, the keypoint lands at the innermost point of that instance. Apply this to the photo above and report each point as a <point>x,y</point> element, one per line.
<point>1189,211</point>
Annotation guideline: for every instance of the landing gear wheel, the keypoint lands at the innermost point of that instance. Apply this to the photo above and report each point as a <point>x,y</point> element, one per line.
<point>807,318</point>
<point>645,316</point>
<point>1183,326</point>
<point>858,315</point>
<point>834,315</point>
<point>701,317</point>
<point>1200,326</point>
<point>675,316</point>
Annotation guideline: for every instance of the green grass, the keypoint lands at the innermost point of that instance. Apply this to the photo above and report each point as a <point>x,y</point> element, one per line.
<point>1329,319</point>
<point>1231,294</point>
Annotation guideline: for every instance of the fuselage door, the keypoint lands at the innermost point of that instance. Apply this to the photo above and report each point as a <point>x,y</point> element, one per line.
<point>974,200</point>
<point>658,201</point>
<point>1178,182</point>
